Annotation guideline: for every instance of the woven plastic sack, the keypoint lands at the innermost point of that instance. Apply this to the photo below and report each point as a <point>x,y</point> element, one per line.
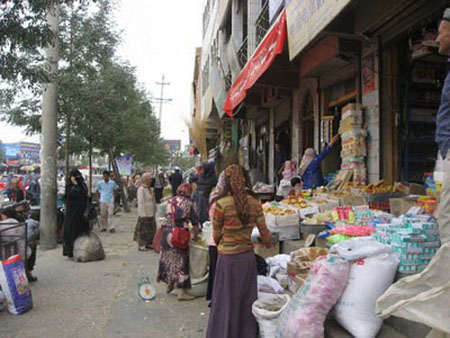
<point>424,297</point>
<point>267,311</point>
<point>14,283</point>
<point>372,271</point>
<point>305,315</point>
<point>198,260</point>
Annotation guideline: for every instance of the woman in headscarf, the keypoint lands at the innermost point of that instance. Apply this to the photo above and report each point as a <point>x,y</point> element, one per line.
<point>310,169</point>
<point>235,284</point>
<point>173,261</point>
<point>146,226</point>
<point>212,247</point>
<point>206,182</point>
<point>75,224</point>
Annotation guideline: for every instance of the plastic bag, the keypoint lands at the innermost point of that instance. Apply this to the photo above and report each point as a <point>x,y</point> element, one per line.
<point>32,230</point>
<point>269,285</point>
<point>372,271</point>
<point>305,315</point>
<point>14,283</point>
<point>278,264</point>
<point>88,248</point>
<point>267,311</point>
<point>424,297</point>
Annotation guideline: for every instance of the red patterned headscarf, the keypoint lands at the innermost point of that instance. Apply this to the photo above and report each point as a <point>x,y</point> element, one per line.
<point>184,190</point>
<point>237,183</point>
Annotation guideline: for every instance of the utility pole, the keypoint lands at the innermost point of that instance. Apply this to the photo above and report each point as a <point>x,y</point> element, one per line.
<point>161,99</point>
<point>50,134</point>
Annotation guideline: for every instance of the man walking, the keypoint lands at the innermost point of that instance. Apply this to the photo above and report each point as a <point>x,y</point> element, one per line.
<point>106,189</point>
<point>443,130</point>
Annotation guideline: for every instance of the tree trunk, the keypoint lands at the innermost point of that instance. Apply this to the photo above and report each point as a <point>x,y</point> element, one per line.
<point>67,145</point>
<point>119,183</point>
<point>90,165</point>
<point>49,136</point>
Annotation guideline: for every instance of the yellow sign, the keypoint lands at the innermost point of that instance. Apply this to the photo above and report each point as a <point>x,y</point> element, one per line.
<point>307,18</point>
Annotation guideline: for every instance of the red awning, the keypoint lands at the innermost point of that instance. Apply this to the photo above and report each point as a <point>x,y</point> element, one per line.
<point>265,54</point>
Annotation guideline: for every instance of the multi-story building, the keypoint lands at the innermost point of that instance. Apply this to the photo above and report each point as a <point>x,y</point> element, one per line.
<point>283,71</point>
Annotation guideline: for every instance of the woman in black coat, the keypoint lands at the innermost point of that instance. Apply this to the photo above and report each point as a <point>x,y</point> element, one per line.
<point>75,223</point>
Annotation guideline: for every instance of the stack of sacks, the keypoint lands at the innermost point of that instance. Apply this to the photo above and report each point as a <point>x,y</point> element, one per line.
<point>414,239</point>
<point>278,269</point>
<point>298,267</point>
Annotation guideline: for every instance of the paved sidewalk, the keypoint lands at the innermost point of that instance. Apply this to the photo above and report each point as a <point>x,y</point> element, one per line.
<point>99,299</point>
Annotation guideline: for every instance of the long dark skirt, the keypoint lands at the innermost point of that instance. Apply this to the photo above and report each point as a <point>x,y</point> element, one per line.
<point>145,231</point>
<point>212,270</point>
<point>74,226</point>
<point>173,265</point>
<point>235,290</point>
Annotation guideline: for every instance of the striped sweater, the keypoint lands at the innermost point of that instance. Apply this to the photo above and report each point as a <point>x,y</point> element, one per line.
<point>229,233</point>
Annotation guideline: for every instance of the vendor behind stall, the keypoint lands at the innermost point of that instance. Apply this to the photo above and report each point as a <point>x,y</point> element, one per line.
<point>280,158</point>
<point>310,169</point>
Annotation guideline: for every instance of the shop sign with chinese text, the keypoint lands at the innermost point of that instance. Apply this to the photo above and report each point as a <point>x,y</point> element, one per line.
<point>307,18</point>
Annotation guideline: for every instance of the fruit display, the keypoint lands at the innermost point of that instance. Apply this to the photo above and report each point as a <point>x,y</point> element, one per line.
<point>381,187</point>
<point>276,210</point>
<point>296,202</point>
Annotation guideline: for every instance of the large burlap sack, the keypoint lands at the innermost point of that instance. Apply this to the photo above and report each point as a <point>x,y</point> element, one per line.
<point>267,310</point>
<point>424,297</point>
<point>88,248</point>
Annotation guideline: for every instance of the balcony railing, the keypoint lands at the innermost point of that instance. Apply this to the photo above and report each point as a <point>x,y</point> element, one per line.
<point>242,53</point>
<point>262,23</point>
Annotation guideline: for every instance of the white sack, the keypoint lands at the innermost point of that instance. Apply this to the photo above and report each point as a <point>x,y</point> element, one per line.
<point>266,311</point>
<point>372,271</point>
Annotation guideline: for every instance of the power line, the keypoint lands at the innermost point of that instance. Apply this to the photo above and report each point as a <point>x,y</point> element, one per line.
<point>161,99</point>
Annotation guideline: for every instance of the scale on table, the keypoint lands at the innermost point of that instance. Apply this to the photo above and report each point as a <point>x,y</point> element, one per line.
<point>145,289</point>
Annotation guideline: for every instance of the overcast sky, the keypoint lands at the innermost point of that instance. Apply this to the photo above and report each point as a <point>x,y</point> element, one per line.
<point>159,37</point>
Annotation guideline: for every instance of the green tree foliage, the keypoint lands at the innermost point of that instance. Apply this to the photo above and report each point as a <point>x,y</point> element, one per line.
<point>101,104</point>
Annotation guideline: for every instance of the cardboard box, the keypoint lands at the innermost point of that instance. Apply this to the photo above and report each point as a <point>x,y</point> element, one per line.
<point>295,269</point>
<point>399,206</point>
<point>264,252</point>
<point>296,282</point>
<point>416,189</point>
<point>352,200</point>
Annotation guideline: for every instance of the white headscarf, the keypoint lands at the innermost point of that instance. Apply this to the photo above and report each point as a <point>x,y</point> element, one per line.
<point>307,158</point>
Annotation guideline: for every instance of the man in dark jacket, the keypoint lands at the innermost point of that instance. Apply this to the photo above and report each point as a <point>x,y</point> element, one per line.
<point>206,181</point>
<point>175,180</point>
